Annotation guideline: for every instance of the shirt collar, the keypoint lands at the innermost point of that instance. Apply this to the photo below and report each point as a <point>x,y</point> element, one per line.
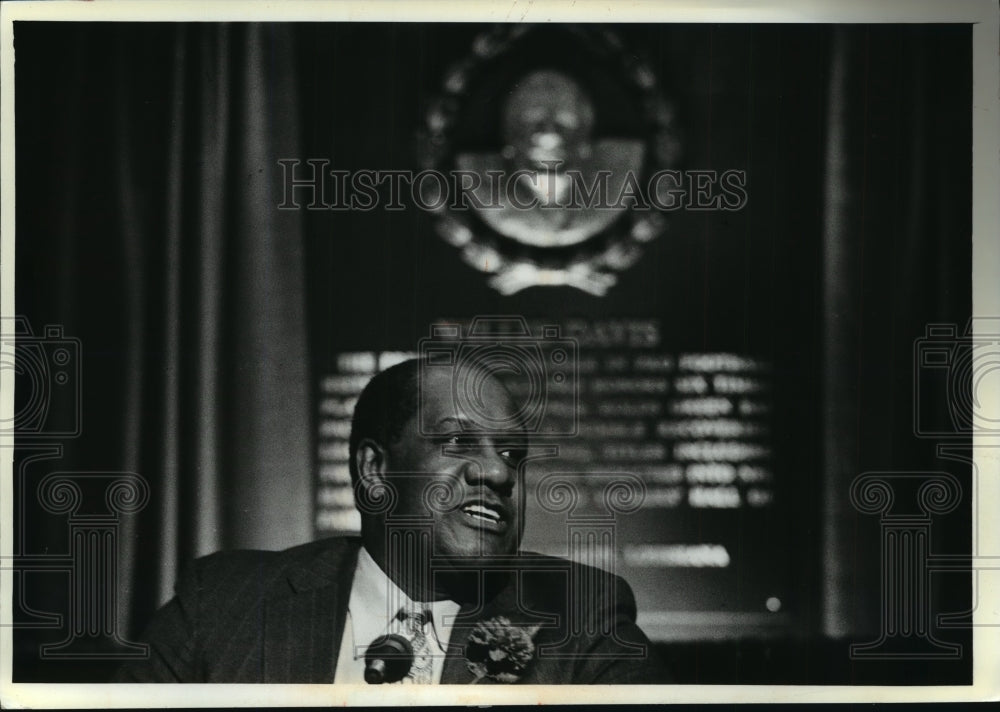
<point>375,601</point>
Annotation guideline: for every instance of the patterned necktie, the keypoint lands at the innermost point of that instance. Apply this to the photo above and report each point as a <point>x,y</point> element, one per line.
<point>414,625</point>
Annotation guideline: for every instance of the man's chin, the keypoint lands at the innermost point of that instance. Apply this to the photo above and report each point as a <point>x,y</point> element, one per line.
<point>465,544</point>
<point>473,552</point>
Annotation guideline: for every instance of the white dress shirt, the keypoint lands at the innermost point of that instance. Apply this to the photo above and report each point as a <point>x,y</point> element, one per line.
<point>375,601</point>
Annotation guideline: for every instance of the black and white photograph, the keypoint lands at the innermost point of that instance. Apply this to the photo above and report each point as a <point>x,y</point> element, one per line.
<point>528,347</point>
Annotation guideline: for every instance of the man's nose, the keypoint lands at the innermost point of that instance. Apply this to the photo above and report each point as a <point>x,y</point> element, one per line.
<point>489,468</point>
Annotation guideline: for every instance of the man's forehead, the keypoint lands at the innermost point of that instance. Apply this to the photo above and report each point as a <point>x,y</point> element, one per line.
<point>457,396</point>
<point>549,91</point>
<point>455,385</point>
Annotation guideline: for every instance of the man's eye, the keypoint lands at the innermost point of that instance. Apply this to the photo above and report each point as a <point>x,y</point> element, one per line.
<point>460,440</point>
<point>514,456</point>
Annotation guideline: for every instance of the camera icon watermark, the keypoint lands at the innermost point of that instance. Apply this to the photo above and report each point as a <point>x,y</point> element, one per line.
<point>540,373</point>
<point>957,380</point>
<point>47,380</point>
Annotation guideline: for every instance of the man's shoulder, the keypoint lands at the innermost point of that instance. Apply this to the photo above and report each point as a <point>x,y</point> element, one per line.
<point>547,565</point>
<point>550,580</point>
<point>300,553</point>
<point>318,560</point>
<point>586,616</point>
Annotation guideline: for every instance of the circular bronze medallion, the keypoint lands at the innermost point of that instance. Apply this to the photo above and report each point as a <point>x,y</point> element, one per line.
<point>538,153</point>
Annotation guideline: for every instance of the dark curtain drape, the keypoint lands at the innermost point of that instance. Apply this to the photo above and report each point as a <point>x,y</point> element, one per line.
<point>897,257</point>
<point>147,228</point>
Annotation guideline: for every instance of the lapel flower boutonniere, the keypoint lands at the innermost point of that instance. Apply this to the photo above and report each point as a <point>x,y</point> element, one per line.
<point>499,650</point>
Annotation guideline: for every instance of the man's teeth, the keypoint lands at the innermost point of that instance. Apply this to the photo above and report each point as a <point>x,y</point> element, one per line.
<point>482,512</point>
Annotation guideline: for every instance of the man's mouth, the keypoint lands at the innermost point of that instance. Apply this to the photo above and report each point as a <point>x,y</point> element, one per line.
<point>485,515</point>
<point>545,156</point>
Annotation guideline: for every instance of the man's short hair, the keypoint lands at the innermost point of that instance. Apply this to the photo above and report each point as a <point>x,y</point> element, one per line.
<point>384,408</point>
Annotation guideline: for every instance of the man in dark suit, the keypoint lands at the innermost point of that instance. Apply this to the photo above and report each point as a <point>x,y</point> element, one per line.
<point>438,565</point>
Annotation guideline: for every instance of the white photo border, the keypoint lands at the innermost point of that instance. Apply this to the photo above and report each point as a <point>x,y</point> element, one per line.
<point>986,301</point>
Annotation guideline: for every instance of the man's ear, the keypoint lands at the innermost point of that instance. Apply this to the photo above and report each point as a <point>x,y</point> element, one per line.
<point>370,461</point>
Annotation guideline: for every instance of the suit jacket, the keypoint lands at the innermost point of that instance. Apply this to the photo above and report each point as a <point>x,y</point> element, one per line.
<point>278,617</point>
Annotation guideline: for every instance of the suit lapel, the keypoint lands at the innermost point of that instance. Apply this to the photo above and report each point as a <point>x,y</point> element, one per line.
<point>505,603</point>
<point>515,602</point>
<point>455,671</point>
<point>303,626</point>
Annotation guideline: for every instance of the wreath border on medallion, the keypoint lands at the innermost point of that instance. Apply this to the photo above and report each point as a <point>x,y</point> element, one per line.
<point>591,265</point>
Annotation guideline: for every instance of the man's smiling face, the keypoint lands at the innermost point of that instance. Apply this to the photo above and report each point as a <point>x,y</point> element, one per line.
<point>466,480</point>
